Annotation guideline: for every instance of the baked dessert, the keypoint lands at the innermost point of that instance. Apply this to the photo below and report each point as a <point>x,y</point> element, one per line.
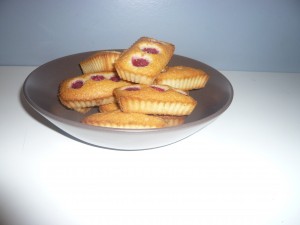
<point>82,109</point>
<point>119,119</point>
<point>182,77</point>
<point>154,99</point>
<point>108,107</point>
<point>100,61</point>
<point>144,60</point>
<point>89,90</point>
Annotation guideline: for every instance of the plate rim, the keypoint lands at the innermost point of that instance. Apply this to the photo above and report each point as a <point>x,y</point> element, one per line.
<point>50,115</point>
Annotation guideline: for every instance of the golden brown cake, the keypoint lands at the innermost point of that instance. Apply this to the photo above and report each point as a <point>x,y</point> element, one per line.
<point>82,109</point>
<point>144,60</point>
<point>154,99</point>
<point>108,107</point>
<point>100,61</point>
<point>182,77</point>
<point>89,90</point>
<point>118,119</point>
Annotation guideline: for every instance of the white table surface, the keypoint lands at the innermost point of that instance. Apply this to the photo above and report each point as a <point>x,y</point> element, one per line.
<point>244,168</point>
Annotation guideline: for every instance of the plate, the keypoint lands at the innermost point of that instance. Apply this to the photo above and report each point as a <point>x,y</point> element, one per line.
<point>41,87</point>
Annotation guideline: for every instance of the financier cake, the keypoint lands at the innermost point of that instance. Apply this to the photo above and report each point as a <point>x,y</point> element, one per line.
<point>144,60</point>
<point>154,99</point>
<point>119,119</point>
<point>170,120</point>
<point>182,77</point>
<point>89,90</point>
<point>108,107</point>
<point>100,61</point>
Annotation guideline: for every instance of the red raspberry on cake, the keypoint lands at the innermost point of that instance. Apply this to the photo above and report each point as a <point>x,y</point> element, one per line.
<point>89,90</point>
<point>154,99</point>
<point>144,60</point>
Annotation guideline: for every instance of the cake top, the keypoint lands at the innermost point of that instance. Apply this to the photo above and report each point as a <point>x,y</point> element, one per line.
<point>154,92</point>
<point>179,72</point>
<point>147,56</point>
<point>90,86</point>
<point>119,119</point>
<point>105,53</point>
<point>100,61</point>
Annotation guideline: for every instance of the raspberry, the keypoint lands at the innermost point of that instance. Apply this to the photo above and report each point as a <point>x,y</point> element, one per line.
<point>132,89</point>
<point>150,50</point>
<point>140,62</point>
<point>77,84</point>
<point>115,78</point>
<point>158,88</point>
<point>97,77</point>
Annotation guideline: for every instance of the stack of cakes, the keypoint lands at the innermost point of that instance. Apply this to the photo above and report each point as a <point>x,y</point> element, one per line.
<point>135,88</point>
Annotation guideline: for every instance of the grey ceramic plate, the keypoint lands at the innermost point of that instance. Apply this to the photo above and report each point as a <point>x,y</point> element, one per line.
<point>41,87</point>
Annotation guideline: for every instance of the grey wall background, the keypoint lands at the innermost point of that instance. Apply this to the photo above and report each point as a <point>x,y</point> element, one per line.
<point>256,35</point>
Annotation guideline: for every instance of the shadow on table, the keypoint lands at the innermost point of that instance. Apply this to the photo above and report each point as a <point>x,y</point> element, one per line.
<point>35,115</point>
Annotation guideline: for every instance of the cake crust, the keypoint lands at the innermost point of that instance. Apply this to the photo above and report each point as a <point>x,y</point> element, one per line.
<point>89,90</point>
<point>119,119</point>
<point>144,60</point>
<point>100,61</point>
<point>154,99</point>
<point>183,77</point>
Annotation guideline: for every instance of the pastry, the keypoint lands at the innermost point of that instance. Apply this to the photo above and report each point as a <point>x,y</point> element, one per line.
<point>100,61</point>
<point>89,90</point>
<point>144,60</point>
<point>182,77</point>
<point>154,99</point>
<point>119,119</point>
<point>108,107</point>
